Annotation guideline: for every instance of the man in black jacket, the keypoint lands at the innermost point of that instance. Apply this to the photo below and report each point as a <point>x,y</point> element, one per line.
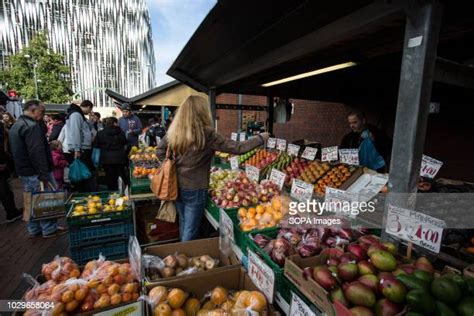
<point>33,161</point>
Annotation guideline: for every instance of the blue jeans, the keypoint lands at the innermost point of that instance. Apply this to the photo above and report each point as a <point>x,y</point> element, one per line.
<point>190,205</point>
<point>47,226</point>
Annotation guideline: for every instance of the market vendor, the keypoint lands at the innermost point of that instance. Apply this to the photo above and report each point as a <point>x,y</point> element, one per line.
<point>373,144</point>
<point>193,141</point>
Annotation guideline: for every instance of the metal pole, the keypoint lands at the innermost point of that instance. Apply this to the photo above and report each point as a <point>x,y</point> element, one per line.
<point>270,113</point>
<point>212,104</point>
<point>240,114</point>
<point>36,81</point>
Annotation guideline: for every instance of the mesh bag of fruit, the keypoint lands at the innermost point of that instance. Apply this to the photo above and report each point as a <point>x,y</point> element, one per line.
<point>60,269</point>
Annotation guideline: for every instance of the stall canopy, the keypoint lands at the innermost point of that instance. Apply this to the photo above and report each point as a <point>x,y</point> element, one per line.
<point>242,45</point>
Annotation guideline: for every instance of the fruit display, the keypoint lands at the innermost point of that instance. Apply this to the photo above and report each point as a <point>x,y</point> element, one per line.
<point>261,158</point>
<point>263,215</point>
<point>93,204</point>
<point>175,265</point>
<point>219,178</point>
<point>243,158</point>
<point>220,301</point>
<point>334,178</point>
<point>138,155</point>
<point>60,269</point>
<point>102,284</point>
<point>281,163</point>
<point>145,171</point>
<point>145,162</point>
<point>223,156</point>
<point>306,171</point>
<point>305,242</point>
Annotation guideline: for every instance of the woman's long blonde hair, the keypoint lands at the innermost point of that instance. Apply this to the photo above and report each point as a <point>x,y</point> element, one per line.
<point>187,129</point>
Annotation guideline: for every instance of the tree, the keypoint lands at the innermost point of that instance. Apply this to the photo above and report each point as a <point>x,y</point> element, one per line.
<point>52,74</point>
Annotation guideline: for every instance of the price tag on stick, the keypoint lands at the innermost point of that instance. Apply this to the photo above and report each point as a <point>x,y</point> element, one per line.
<point>298,307</point>
<point>278,178</point>
<point>417,228</point>
<point>261,275</point>
<point>429,167</point>
<point>302,191</point>
<point>227,225</point>
<point>242,136</point>
<point>234,136</point>
<point>234,163</point>
<point>252,173</point>
<point>293,149</point>
<point>281,144</point>
<point>271,143</point>
<point>309,153</point>
<point>329,153</point>
<point>349,156</point>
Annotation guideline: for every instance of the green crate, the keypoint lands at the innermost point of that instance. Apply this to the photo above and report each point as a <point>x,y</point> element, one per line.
<point>76,197</point>
<point>138,185</point>
<point>89,219</point>
<point>280,285</point>
<point>214,210</point>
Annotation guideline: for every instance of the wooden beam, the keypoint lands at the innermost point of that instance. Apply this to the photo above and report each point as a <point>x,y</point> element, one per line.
<point>453,73</point>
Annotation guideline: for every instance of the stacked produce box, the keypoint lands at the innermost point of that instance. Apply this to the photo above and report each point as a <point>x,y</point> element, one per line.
<point>143,165</point>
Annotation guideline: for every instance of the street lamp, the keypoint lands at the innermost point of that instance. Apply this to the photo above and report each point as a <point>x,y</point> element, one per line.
<point>34,75</point>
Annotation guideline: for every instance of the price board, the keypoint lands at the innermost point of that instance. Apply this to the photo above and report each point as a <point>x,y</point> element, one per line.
<point>420,229</point>
<point>336,198</point>
<point>429,166</point>
<point>226,225</point>
<point>329,153</point>
<point>234,163</point>
<point>252,173</point>
<point>242,137</point>
<point>349,156</point>
<point>261,275</point>
<point>281,144</point>
<point>271,143</point>
<point>278,178</point>
<point>234,136</point>
<point>293,149</point>
<point>302,191</point>
<point>298,307</point>
<point>309,153</point>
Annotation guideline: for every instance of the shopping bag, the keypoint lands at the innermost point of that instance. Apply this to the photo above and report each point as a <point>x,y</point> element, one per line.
<point>96,157</point>
<point>164,184</point>
<point>167,212</point>
<point>78,171</point>
<point>44,204</point>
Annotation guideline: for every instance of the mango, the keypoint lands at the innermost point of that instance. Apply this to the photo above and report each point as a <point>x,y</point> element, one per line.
<point>359,294</point>
<point>383,260</point>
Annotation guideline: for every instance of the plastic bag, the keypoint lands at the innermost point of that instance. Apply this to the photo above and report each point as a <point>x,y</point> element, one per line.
<point>96,157</point>
<point>163,300</point>
<point>38,291</point>
<point>78,171</point>
<point>134,257</point>
<point>60,269</point>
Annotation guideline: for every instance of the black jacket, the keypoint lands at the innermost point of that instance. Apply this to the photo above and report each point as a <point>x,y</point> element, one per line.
<point>30,148</point>
<point>55,131</point>
<point>112,142</point>
<point>153,132</point>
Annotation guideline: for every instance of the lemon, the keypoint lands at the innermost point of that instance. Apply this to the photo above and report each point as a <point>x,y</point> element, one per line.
<point>79,208</point>
<point>95,198</point>
<point>92,210</point>
<point>120,208</point>
<point>98,205</point>
<point>112,202</point>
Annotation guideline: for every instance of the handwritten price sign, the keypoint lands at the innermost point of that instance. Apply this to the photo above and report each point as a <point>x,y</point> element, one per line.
<point>420,229</point>
<point>271,143</point>
<point>336,198</point>
<point>298,307</point>
<point>293,149</point>
<point>234,163</point>
<point>309,153</point>
<point>429,167</point>
<point>234,136</point>
<point>226,225</point>
<point>242,137</point>
<point>281,144</point>
<point>301,190</point>
<point>252,173</point>
<point>261,275</point>
<point>329,153</point>
<point>349,156</point>
<point>278,178</point>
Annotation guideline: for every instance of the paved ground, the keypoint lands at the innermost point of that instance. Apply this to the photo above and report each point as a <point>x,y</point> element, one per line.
<point>20,254</point>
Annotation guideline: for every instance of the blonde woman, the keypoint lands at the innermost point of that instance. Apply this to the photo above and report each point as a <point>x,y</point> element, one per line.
<point>193,141</point>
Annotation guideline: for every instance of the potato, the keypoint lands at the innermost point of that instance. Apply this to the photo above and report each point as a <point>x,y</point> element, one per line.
<point>183,260</point>
<point>167,272</point>
<point>171,261</point>
<point>211,264</point>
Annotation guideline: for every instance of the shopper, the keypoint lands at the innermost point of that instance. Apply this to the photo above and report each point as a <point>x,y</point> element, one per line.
<point>373,144</point>
<point>94,123</point>
<point>130,125</point>
<point>6,194</point>
<point>193,142</point>
<point>76,138</point>
<point>112,144</point>
<point>59,162</point>
<point>8,120</point>
<point>57,123</point>
<point>33,162</point>
<point>154,133</point>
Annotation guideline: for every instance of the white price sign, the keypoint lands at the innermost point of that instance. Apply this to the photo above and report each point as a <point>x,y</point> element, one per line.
<point>271,143</point>
<point>429,167</point>
<point>301,190</point>
<point>337,200</point>
<point>261,275</point>
<point>278,178</point>
<point>298,307</point>
<point>293,149</point>
<point>420,229</point>
<point>252,173</point>
<point>234,136</point>
<point>349,156</point>
<point>309,153</point>
<point>234,163</point>
<point>329,153</point>
<point>242,136</point>
<point>226,225</point>
<point>281,144</point>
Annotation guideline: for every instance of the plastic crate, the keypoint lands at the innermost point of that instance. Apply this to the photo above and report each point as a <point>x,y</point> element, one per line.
<point>97,218</point>
<point>112,251</point>
<point>138,185</point>
<point>79,196</point>
<point>280,284</point>
<point>100,233</point>
<point>214,210</point>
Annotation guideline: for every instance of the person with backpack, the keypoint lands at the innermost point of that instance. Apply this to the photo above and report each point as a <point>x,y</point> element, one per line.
<point>154,133</point>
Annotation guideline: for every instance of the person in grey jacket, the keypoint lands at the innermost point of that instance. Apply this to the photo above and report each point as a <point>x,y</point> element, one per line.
<point>130,124</point>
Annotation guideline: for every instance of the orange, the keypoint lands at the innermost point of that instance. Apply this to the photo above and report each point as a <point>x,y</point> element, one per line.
<point>219,295</point>
<point>242,212</point>
<point>260,209</point>
<point>176,298</point>
<point>276,204</point>
<point>256,301</point>
<point>252,210</point>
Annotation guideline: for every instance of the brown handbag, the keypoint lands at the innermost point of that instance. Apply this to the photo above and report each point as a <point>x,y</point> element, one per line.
<point>165,183</point>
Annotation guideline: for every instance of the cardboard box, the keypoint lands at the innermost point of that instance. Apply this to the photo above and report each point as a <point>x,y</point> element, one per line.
<point>232,278</point>
<point>194,248</point>
<point>294,266</point>
<point>150,229</point>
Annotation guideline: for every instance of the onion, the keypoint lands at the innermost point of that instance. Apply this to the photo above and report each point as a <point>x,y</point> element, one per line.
<point>278,256</point>
<point>307,250</point>
<point>261,240</point>
<point>269,247</point>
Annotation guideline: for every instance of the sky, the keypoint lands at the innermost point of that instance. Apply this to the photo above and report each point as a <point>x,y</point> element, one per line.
<point>173,22</point>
